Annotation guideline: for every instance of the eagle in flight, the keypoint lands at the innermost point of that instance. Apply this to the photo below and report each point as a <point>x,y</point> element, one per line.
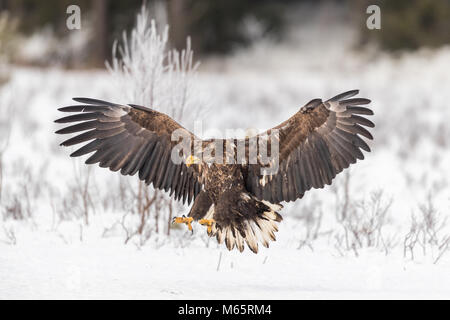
<point>236,199</point>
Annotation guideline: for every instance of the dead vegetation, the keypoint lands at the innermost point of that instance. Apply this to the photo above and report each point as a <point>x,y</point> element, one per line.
<point>428,233</point>
<point>310,220</point>
<point>366,223</point>
<point>360,223</point>
<point>146,212</point>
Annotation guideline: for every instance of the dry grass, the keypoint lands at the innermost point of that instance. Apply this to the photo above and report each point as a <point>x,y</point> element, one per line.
<point>428,233</point>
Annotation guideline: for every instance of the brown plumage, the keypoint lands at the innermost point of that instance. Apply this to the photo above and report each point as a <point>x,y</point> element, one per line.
<point>241,203</point>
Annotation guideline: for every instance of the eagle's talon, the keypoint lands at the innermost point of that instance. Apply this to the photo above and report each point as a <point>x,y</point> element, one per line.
<point>184,220</point>
<point>208,223</point>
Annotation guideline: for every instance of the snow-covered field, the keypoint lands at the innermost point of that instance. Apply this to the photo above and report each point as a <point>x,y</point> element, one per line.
<point>378,250</point>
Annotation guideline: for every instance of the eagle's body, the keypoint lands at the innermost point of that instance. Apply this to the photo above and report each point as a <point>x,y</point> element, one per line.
<point>233,209</point>
<point>234,197</point>
<point>219,178</point>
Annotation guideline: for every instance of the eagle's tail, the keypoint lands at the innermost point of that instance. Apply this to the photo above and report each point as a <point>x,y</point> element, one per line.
<point>246,220</point>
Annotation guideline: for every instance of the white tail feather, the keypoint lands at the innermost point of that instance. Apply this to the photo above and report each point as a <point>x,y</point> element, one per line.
<point>260,230</point>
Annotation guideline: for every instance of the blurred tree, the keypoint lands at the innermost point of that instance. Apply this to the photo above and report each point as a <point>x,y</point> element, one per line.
<point>215,26</point>
<point>176,10</point>
<point>220,26</point>
<point>410,24</point>
<point>101,43</point>
<point>7,32</point>
<point>34,15</point>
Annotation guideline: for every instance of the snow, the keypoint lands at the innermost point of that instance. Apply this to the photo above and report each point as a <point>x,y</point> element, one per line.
<point>103,271</point>
<point>47,256</point>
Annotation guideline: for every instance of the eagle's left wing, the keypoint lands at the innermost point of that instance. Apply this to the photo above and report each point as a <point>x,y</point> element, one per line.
<point>315,144</point>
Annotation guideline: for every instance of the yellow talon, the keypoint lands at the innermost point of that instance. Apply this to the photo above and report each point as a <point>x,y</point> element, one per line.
<point>184,220</point>
<point>208,223</point>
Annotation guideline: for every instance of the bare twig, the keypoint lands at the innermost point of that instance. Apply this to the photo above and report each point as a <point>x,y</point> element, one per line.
<point>428,232</point>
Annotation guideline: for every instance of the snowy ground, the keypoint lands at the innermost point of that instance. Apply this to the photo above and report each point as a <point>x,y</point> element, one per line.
<point>45,254</point>
<point>101,271</point>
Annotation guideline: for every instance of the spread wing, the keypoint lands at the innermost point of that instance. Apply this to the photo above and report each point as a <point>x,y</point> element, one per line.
<point>132,139</point>
<point>315,144</point>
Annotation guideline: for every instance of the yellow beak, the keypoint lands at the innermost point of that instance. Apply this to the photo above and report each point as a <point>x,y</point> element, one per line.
<point>192,160</point>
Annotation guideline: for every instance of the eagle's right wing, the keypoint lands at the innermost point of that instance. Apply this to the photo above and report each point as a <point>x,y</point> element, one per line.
<point>132,139</point>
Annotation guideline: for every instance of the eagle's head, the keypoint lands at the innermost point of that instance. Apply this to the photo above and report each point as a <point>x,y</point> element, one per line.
<point>191,160</point>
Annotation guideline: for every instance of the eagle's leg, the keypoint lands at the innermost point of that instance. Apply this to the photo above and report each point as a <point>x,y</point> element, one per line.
<point>203,210</point>
<point>207,222</point>
<point>185,220</point>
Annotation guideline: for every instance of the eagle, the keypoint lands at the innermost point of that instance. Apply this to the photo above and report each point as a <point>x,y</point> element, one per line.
<point>236,196</point>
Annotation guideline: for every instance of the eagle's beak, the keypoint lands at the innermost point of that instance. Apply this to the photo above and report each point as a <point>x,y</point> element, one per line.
<point>192,160</point>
